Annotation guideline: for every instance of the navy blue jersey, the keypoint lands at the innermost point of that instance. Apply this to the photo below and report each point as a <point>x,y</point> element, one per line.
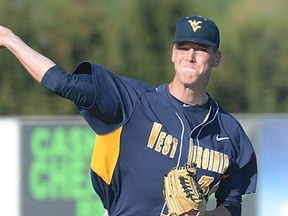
<point>142,132</point>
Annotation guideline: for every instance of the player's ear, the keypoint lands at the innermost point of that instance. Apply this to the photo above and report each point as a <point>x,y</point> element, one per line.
<point>173,53</point>
<point>217,58</point>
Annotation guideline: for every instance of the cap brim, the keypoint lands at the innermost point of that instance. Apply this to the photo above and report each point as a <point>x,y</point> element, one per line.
<point>195,40</point>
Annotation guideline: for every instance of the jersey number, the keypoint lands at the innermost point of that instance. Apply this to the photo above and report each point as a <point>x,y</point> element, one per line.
<point>205,182</point>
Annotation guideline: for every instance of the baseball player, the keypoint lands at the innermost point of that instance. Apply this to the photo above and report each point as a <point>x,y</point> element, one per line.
<point>142,132</point>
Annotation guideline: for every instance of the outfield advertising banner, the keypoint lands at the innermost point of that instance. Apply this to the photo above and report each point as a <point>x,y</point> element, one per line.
<point>55,162</point>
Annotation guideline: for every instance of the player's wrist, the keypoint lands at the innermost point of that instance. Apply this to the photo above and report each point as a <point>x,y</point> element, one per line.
<point>8,39</point>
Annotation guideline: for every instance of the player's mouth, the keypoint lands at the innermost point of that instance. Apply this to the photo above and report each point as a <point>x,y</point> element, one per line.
<point>189,68</point>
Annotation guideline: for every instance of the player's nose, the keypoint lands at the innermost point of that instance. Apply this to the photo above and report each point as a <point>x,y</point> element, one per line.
<point>191,55</point>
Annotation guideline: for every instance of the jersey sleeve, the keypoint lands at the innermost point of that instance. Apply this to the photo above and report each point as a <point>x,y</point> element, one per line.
<point>105,100</point>
<point>78,89</point>
<point>114,98</point>
<point>241,177</point>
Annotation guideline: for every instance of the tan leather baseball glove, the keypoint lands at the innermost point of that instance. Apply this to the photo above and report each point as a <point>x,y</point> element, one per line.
<point>182,191</point>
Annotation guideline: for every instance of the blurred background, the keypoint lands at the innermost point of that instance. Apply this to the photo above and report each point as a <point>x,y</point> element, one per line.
<point>45,146</point>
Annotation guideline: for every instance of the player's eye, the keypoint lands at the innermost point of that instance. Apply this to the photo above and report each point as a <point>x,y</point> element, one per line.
<point>180,46</point>
<point>201,48</point>
<point>184,48</point>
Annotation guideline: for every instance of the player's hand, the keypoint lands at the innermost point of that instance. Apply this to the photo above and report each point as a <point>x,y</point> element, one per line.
<point>5,33</point>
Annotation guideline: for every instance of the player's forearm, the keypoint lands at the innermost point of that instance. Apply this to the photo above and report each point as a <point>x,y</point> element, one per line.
<point>219,211</point>
<point>35,63</point>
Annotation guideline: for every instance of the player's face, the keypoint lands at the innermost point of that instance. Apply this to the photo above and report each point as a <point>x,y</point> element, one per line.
<point>193,62</point>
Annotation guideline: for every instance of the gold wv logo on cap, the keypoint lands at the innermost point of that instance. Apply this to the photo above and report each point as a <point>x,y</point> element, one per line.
<point>195,24</point>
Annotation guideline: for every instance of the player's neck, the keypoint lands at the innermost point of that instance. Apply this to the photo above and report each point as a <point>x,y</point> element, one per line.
<point>188,95</point>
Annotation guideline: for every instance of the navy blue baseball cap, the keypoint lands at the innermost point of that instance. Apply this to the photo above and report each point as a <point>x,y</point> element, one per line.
<point>197,29</point>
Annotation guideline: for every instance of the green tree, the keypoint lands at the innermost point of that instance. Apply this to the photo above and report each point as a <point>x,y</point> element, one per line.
<point>132,38</point>
<point>252,77</point>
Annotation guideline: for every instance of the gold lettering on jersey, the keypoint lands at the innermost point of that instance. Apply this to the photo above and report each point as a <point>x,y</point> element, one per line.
<point>162,142</point>
<point>166,147</point>
<point>205,163</point>
<point>154,134</point>
<point>208,159</point>
<point>195,24</point>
